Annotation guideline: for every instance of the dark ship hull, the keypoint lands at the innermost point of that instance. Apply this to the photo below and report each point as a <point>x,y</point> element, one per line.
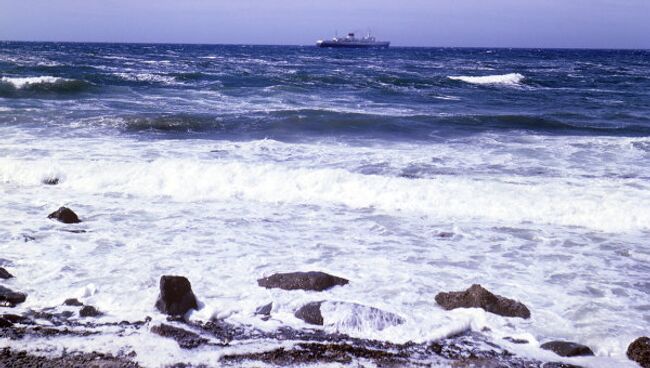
<point>353,45</point>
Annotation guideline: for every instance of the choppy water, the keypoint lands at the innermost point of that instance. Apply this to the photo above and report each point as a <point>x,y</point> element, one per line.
<point>228,163</point>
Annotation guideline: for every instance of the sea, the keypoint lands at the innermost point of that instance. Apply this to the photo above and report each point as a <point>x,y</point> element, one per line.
<point>408,171</point>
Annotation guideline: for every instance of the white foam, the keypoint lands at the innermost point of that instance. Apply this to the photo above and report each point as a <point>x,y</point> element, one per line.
<point>505,79</point>
<point>147,77</point>
<point>249,209</point>
<point>597,204</point>
<point>21,82</point>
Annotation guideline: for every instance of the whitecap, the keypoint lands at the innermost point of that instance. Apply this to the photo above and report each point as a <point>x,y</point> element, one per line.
<point>22,82</point>
<point>505,79</point>
<point>147,77</point>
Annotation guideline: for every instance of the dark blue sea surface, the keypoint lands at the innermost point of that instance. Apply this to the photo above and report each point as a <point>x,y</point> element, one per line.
<point>293,93</point>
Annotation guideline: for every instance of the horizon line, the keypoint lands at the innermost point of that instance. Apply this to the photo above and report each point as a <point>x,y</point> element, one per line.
<point>314,45</point>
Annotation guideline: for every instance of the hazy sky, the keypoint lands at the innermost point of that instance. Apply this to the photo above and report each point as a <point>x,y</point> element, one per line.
<point>490,23</point>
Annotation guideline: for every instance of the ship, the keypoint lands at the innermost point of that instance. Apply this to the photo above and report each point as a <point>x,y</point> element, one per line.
<point>350,41</point>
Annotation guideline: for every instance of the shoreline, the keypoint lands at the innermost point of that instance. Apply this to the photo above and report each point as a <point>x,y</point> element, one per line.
<point>283,348</point>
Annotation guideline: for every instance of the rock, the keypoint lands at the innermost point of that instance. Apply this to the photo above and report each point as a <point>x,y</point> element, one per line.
<point>89,311</point>
<point>23,359</point>
<point>310,313</point>
<point>639,351</point>
<point>515,340</point>
<point>264,310</point>
<point>5,323</point>
<point>14,318</point>
<point>4,274</point>
<point>50,181</point>
<point>176,296</point>
<point>11,297</point>
<point>567,349</point>
<point>185,339</point>
<point>65,215</point>
<point>478,297</point>
<point>315,281</point>
<point>72,302</point>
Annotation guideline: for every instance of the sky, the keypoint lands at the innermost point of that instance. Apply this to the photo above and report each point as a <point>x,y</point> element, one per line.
<point>455,23</point>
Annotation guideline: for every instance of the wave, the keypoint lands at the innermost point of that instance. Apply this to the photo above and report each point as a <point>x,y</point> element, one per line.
<point>27,86</point>
<point>559,201</point>
<point>302,123</point>
<point>147,77</point>
<point>511,79</point>
<point>27,82</point>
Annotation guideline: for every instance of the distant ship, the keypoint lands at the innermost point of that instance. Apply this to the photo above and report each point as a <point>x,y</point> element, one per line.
<point>352,42</point>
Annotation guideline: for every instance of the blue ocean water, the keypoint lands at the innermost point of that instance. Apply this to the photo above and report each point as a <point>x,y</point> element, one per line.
<point>408,171</point>
<point>295,92</point>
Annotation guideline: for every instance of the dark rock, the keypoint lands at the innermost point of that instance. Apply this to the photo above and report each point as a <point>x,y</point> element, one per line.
<point>311,353</point>
<point>89,311</point>
<point>4,274</point>
<point>5,323</point>
<point>72,302</point>
<point>185,339</point>
<point>75,231</point>
<point>639,351</point>
<point>264,310</point>
<point>11,297</point>
<point>478,297</point>
<point>50,181</point>
<point>176,296</point>
<point>14,318</point>
<point>65,215</point>
<point>15,358</point>
<point>567,349</point>
<point>314,280</point>
<point>515,341</point>
<point>310,313</point>
<point>66,314</point>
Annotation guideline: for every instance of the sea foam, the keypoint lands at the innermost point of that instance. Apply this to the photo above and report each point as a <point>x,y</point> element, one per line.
<point>505,79</point>
<point>22,82</point>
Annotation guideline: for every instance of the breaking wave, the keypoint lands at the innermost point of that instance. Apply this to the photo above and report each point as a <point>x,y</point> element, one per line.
<point>550,201</point>
<point>147,77</point>
<point>19,86</point>
<point>511,79</point>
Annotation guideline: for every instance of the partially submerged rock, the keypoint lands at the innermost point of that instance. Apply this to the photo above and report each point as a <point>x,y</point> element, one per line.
<point>51,181</point>
<point>185,339</point>
<point>15,358</point>
<point>89,311</point>
<point>354,316</point>
<point>72,302</point>
<point>639,351</point>
<point>567,348</point>
<point>264,310</point>
<point>10,297</point>
<point>176,296</point>
<point>314,353</point>
<point>314,281</point>
<point>478,297</point>
<point>5,322</point>
<point>4,274</point>
<point>310,313</point>
<point>65,215</point>
<point>350,315</point>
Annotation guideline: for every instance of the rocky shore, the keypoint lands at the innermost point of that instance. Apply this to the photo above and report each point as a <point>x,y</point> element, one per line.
<point>284,346</point>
